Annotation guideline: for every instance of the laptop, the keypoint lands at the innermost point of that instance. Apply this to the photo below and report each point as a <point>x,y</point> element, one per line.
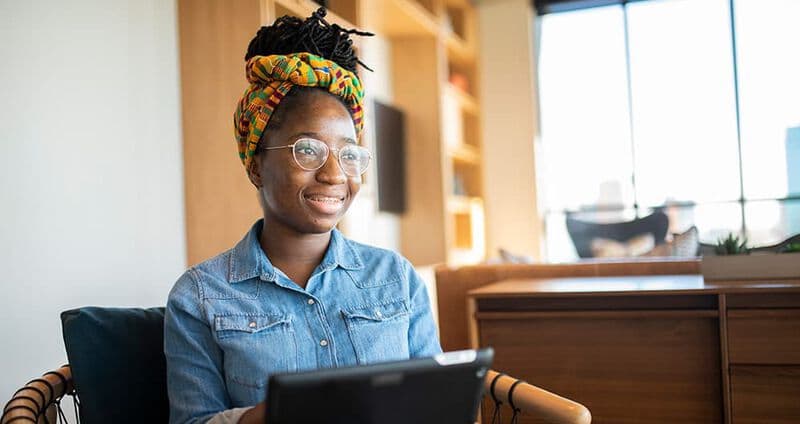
<point>444,389</point>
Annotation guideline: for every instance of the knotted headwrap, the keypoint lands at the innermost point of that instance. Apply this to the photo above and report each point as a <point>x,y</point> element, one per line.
<point>271,77</point>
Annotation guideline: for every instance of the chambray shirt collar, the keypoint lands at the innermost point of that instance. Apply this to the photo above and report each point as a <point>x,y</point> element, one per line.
<point>248,260</point>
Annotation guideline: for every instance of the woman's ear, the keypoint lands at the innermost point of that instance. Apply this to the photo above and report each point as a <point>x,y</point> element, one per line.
<point>254,171</point>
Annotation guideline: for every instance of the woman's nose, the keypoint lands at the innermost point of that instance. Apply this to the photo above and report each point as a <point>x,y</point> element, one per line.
<point>331,172</point>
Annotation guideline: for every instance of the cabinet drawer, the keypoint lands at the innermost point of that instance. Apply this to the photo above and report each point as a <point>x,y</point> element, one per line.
<point>765,394</point>
<point>764,336</point>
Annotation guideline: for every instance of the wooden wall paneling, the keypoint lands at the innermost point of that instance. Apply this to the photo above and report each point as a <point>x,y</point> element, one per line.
<point>268,13</point>
<point>416,83</point>
<point>765,395</point>
<point>644,370</point>
<point>221,204</point>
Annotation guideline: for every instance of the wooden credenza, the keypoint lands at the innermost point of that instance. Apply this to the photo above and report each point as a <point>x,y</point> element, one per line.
<point>649,349</point>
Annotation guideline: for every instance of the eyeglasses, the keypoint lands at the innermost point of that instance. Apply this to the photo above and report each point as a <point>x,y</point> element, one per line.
<point>311,154</point>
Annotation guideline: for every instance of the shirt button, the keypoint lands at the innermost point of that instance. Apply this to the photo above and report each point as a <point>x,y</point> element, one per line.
<point>252,324</point>
<point>310,301</point>
<point>323,342</point>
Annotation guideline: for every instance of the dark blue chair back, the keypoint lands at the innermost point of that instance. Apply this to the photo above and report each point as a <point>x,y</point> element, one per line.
<point>118,363</point>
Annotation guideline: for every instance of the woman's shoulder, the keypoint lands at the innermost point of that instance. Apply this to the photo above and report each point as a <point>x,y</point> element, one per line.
<point>200,277</point>
<point>217,267</point>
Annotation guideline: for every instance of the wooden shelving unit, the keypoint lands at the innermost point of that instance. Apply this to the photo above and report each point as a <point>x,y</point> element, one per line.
<point>433,42</point>
<point>464,170</point>
<point>431,47</point>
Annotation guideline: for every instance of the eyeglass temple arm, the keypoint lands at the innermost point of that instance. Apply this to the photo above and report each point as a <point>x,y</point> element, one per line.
<point>277,147</point>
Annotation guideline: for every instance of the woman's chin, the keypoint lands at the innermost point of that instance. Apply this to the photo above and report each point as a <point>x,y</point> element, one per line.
<point>320,225</point>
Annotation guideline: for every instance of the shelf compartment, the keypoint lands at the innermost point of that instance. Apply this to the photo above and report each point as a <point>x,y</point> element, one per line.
<point>460,122</point>
<point>462,76</point>
<point>467,242</point>
<point>466,102</point>
<point>399,18</point>
<point>341,12</point>
<point>466,154</point>
<point>466,179</point>
<point>458,50</point>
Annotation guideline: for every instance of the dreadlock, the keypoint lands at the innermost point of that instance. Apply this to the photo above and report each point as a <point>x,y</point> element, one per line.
<point>314,35</point>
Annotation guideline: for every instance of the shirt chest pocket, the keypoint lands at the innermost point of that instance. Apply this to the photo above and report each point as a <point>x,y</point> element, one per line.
<point>254,346</point>
<point>379,333</point>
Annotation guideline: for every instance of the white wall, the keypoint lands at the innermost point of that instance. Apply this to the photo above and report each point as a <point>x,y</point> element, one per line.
<point>91,186</point>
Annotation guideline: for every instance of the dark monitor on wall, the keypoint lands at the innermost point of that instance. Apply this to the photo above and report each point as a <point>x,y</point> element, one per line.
<point>391,159</point>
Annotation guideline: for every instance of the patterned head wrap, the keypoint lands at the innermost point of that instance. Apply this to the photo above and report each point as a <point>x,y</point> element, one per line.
<point>271,77</point>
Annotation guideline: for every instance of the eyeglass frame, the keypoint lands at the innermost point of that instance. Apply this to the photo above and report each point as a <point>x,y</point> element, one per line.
<point>327,155</point>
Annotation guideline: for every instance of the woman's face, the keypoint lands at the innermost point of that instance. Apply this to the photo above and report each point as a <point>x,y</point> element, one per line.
<point>307,202</point>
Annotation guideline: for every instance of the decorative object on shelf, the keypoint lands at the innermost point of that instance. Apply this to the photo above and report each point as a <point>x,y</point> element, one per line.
<point>791,248</point>
<point>458,186</point>
<point>777,261</point>
<point>732,245</point>
<point>459,81</point>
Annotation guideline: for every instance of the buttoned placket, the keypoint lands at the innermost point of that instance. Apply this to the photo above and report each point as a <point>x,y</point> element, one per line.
<point>320,330</point>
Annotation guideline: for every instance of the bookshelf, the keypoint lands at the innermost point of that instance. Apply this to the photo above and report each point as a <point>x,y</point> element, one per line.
<point>435,41</point>
<point>430,46</point>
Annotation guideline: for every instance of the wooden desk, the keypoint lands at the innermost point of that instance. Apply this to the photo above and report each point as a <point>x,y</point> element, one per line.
<point>650,349</point>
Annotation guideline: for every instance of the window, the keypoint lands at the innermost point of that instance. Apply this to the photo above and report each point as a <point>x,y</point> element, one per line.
<point>687,106</point>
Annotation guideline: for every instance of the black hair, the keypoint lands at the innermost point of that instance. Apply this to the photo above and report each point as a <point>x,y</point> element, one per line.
<point>314,35</point>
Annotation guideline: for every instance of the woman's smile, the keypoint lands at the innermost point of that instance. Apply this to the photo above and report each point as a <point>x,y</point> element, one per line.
<point>326,204</point>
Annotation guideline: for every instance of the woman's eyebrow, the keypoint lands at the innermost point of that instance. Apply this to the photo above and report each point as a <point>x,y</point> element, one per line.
<point>317,136</point>
<point>305,134</point>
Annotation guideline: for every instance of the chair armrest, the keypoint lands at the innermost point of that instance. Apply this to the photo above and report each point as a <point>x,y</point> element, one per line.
<point>29,403</point>
<point>539,402</point>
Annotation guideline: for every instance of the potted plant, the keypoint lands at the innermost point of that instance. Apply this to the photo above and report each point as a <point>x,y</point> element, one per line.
<point>733,259</point>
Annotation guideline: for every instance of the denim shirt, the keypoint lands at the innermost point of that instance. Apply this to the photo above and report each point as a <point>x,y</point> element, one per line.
<point>235,319</point>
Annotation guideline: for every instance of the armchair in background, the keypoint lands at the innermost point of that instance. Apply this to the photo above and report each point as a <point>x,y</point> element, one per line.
<point>586,235</point>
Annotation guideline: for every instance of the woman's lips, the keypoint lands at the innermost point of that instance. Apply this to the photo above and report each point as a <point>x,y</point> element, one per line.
<point>325,204</point>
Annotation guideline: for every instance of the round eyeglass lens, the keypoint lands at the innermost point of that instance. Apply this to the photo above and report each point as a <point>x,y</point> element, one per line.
<point>310,154</point>
<point>354,159</point>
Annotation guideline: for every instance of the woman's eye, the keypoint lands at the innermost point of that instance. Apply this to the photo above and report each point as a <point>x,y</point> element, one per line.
<point>307,149</point>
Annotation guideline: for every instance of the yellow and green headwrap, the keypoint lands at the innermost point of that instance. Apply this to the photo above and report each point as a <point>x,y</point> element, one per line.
<point>271,77</point>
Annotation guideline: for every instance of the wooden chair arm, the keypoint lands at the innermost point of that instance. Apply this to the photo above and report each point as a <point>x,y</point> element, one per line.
<point>538,402</point>
<point>35,399</point>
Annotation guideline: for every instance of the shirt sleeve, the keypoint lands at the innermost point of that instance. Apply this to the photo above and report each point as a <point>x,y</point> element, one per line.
<point>423,337</point>
<point>195,380</point>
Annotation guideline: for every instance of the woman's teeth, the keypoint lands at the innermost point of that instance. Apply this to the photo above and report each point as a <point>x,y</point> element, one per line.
<point>325,199</point>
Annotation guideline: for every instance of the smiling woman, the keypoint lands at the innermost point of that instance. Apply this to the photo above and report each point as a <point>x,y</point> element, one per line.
<point>294,294</point>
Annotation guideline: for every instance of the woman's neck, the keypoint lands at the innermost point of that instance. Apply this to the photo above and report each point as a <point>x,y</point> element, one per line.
<point>296,254</point>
